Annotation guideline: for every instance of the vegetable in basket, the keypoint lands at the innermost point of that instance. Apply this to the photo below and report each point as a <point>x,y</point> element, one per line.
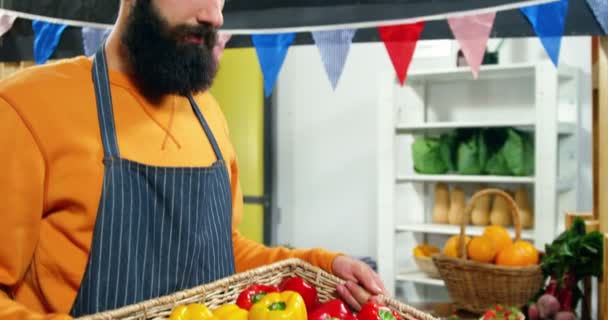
<point>307,291</point>
<point>332,310</point>
<point>231,312</point>
<point>500,312</point>
<point>195,311</point>
<point>287,305</point>
<point>377,311</point>
<point>253,294</point>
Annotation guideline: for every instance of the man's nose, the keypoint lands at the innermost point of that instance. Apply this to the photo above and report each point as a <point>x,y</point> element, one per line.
<point>211,13</point>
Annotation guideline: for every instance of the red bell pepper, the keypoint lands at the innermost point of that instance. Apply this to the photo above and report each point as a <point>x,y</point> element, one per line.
<point>332,310</point>
<point>305,289</point>
<point>377,311</point>
<point>253,294</point>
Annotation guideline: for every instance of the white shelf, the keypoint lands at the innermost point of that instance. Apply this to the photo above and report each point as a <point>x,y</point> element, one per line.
<point>447,229</point>
<point>463,178</point>
<point>564,128</point>
<point>487,72</point>
<point>417,276</point>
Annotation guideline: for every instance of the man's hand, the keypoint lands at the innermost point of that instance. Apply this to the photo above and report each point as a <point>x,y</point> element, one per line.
<point>361,281</point>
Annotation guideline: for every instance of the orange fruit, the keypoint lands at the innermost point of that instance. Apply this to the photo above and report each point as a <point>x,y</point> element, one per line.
<point>518,254</point>
<point>452,249</point>
<point>481,249</point>
<point>425,250</point>
<point>532,253</point>
<point>499,236</point>
<point>429,250</point>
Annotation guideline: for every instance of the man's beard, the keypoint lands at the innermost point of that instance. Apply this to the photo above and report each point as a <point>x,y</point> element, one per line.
<point>162,59</point>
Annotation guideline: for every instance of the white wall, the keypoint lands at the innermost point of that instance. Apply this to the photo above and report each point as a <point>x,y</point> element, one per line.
<point>325,187</point>
<point>325,145</point>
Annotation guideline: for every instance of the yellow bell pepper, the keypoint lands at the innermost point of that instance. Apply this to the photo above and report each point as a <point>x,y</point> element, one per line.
<point>195,311</point>
<point>230,312</point>
<point>287,305</point>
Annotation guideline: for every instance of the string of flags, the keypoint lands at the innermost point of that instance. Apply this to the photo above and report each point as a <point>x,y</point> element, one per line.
<point>470,31</point>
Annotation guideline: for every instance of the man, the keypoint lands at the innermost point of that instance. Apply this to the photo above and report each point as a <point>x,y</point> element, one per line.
<point>120,182</point>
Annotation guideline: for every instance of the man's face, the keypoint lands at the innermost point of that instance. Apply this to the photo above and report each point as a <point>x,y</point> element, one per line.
<point>170,43</point>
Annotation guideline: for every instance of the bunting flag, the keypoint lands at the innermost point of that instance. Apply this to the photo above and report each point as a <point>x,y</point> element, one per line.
<point>222,40</point>
<point>6,22</point>
<point>271,50</point>
<point>400,42</point>
<point>334,47</point>
<point>92,38</point>
<point>46,39</point>
<point>600,10</point>
<point>472,33</point>
<point>548,21</point>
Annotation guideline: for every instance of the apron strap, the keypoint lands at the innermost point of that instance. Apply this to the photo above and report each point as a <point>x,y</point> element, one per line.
<point>105,110</point>
<point>104,104</point>
<point>210,136</point>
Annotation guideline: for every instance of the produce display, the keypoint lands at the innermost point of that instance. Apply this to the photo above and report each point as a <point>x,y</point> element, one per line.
<point>571,257</point>
<point>495,151</point>
<point>293,299</point>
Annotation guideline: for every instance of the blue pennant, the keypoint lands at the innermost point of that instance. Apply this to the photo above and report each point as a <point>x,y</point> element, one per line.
<point>46,39</point>
<point>548,21</point>
<point>271,50</point>
<point>600,10</point>
<point>334,47</point>
<point>92,38</point>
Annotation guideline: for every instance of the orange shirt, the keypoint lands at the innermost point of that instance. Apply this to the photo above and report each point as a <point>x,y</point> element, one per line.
<point>51,177</point>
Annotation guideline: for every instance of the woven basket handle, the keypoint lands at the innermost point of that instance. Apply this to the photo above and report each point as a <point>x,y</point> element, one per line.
<point>512,205</point>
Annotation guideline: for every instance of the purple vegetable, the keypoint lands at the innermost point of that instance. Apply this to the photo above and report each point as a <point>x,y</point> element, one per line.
<point>547,306</point>
<point>533,312</point>
<point>565,315</point>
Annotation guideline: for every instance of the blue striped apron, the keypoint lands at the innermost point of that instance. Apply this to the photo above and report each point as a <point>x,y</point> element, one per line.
<point>158,229</point>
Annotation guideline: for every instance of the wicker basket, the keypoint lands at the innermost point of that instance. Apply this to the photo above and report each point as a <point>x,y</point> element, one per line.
<point>227,290</point>
<point>475,286</point>
<point>426,265</point>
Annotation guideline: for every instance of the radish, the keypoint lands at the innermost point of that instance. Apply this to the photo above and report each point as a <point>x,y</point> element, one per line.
<point>533,312</point>
<point>552,287</point>
<point>548,305</point>
<point>565,315</point>
<point>566,297</point>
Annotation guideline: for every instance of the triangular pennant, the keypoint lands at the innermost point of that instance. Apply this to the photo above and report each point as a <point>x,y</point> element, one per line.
<point>6,22</point>
<point>46,39</point>
<point>400,42</point>
<point>92,38</point>
<point>600,10</point>
<point>222,40</point>
<point>271,50</point>
<point>334,47</point>
<point>548,21</point>
<point>472,33</point>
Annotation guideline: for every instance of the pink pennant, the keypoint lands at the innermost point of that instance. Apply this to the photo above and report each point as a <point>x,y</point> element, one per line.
<point>6,22</point>
<point>400,42</point>
<point>222,40</point>
<point>472,33</point>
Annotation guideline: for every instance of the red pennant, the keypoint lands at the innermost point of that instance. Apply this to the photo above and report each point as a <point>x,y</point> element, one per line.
<point>400,42</point>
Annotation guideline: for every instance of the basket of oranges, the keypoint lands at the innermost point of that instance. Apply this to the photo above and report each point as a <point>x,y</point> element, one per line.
<point>490,269</point>
<point>423,258</point>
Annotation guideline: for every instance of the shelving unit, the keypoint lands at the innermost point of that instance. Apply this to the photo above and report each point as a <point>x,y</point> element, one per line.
<point>452,230</point>
<point>535,98</point>
<point>414,275</point>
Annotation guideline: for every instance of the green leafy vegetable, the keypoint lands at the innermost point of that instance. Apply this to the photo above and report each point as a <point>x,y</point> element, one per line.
<point>427,157</point>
